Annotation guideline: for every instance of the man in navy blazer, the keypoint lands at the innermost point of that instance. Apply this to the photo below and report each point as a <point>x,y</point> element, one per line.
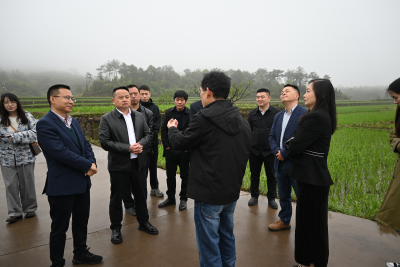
<point>285,124</point>
<point>70,163</point>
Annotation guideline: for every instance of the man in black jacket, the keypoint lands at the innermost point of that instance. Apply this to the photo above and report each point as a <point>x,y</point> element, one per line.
<point>129,202</point>
<point>176,157</point>
<point>195,107</point>
<point>124,134</point>
<point>147,102</point>
<point>220,141</point>
<point>260,120</point>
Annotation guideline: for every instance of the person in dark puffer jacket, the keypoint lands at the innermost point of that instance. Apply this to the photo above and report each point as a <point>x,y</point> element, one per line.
<point>219,139</point>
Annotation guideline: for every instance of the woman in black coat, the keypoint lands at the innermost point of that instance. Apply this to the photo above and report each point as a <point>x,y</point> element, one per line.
<point>309,148</point>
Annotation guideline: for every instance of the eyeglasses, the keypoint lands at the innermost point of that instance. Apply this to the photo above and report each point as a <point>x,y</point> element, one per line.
<point>12,103</point>
<point>73,99</point>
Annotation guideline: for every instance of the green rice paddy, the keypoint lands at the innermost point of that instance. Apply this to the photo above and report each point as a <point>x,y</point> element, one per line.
<point>360,160</point>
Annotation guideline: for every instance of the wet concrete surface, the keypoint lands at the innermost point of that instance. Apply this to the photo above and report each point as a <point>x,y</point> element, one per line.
<point>353,241</point>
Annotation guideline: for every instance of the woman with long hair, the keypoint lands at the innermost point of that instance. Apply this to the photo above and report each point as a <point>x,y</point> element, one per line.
<point>389,213</point>
<point>309,148</point>
<point>17,131</point>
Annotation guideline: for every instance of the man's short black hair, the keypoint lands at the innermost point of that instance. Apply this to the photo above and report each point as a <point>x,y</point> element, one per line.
<point>263,90</point>
<point>218,83</point>
<point>53,90</point>
<point>131,86</point>
<point>144,87</point>
<point>118,88</point>
<point>181,93</point>
<point>294,87</point>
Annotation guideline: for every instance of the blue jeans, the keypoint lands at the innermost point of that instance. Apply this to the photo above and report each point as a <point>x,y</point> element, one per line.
<point>214,234</point>
<point>285,184</point>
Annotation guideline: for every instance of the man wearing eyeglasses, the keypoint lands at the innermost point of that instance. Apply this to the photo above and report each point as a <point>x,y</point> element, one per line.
<point>70,162</point>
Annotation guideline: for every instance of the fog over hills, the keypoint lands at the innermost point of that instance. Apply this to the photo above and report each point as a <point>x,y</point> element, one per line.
<point>355,43</point>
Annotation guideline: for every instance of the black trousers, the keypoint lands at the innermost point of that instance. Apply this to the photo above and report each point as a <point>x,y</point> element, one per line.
<point>312,236</point>
<point>256,162</point>
<point>153,167</point>
<point>173,159</point>
<point>61,208</point>
<point>127,199</point>
<point>119,182</point>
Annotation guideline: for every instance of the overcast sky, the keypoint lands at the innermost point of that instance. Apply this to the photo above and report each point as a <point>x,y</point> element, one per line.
<point>355,42</point>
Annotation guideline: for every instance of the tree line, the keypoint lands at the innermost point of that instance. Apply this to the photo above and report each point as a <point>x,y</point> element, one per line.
<point>163,81</point>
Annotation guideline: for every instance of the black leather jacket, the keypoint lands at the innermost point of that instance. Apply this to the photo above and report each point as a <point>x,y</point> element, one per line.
<point>156,119</point>
<point>148,116</point>
<point>114,138</point>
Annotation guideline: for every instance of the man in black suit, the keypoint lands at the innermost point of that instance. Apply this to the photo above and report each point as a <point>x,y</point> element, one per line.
<point>147,102</point>
<point>260,120</point>
<point>195,107</point>
<point>129,202</point>
<point>70,162</point>
<point>125,135</point>
<point>173,157</point>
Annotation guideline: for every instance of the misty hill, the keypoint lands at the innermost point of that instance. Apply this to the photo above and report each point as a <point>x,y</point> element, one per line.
<point>366,92</point>
<point>37,83</point>
<point>162,80</point>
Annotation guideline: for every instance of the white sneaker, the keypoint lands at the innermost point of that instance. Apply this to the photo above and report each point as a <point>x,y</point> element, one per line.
<point>393,264</point>
<point>156,192</point>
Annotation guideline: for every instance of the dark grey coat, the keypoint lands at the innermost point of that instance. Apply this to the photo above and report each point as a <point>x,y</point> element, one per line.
<point>114,138</point>
<point>148,116</point>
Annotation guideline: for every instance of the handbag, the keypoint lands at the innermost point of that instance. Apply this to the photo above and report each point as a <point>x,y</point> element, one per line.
<point>35,149</point>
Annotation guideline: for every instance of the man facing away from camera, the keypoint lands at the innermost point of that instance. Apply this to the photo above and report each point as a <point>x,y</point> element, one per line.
<point>220,141</point>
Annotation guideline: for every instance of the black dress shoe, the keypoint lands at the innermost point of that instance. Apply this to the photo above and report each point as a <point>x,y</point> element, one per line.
<point>183,205</point>
<point>116,236</point>
<point>30,214</point>
<point>13,219</point>
<point>86,257</point>
<point>131,211</point>
<point>148,228</point>
<point>167,202</point>
<point>272,204</point>
<point>252,201</point>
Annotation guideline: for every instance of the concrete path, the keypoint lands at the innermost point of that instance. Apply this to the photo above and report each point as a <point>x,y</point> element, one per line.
<point>353,241</point>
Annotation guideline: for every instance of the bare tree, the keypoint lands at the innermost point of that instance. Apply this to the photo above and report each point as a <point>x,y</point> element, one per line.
<point>88,77</point>
<point>240,91</point>
<point>195,89</point>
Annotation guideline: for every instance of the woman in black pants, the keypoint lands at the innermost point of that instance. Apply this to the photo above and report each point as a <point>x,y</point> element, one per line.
<point>309,148</point>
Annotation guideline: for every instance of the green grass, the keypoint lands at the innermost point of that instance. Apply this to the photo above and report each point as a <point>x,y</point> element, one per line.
<point>361,163</point>
<point>95,109</point>
<point>366,117</point>
<point>364,109</point>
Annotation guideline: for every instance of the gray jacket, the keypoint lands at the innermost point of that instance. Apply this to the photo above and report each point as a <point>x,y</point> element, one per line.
<point>114,138</point>
<point>16,152</point>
